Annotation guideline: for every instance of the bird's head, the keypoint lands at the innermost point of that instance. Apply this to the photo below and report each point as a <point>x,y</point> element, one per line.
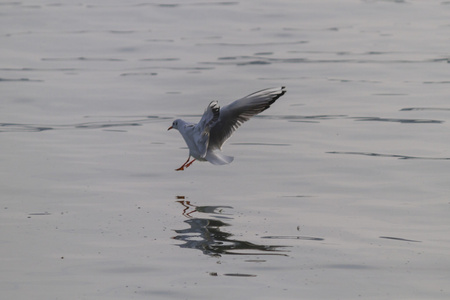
<point>174,124</point>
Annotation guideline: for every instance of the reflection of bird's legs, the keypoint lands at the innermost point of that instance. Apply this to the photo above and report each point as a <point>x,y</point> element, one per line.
<point>188,205</point>
<point>186,164</point>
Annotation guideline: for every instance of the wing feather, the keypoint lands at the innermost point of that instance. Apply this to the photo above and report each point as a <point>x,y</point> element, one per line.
<point>202,129</point>
<point>233,115</point>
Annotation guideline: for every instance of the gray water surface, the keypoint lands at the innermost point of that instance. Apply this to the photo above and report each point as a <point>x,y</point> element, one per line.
<point>339,191</point>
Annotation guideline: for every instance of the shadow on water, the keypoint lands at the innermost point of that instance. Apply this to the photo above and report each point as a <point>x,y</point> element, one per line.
<point>206,233</point>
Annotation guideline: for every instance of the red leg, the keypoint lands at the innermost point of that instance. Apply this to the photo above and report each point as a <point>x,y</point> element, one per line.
<point>182,167</point>
<point>190,163</point>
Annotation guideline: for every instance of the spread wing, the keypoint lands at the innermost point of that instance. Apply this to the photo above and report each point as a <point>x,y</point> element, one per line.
<point>233,115</point>
<point>202,129</point>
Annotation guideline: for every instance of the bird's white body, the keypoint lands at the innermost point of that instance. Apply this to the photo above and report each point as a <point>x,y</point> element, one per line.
<point>197,141</point>
<point>205,139</point>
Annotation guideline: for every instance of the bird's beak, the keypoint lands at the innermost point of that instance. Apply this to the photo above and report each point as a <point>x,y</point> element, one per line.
<point>171,127</point>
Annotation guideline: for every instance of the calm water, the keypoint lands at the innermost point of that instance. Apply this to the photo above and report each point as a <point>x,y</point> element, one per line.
<point>339,191</point>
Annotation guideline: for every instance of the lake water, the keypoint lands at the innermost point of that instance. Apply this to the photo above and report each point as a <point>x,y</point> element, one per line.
<point>339,191</point>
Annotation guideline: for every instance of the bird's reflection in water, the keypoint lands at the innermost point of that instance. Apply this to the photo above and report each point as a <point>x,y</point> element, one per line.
<point>206,235</point>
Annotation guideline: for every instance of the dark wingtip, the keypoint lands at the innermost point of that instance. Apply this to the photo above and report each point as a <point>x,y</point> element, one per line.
<point>276,96</point>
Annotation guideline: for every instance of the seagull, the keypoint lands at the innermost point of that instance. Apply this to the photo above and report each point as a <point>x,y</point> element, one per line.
<point>216,126</point>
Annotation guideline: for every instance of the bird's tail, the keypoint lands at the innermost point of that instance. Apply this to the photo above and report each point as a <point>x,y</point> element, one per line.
<point>217,158</point>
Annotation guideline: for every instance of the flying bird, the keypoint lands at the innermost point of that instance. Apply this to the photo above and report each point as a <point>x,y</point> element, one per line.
<point>205,139</point>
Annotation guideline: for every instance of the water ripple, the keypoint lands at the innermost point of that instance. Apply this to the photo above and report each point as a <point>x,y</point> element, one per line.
<point>399,239</point>
<point>139,121</point>
<point>425,108</point>
<point>21,127</point>
<point>242,60</point>
<point>38,69</point>
<point>259,144</point>
<point>300,118</point>
<point>399,156</point>
<point>398,120</point>
<point>251,45</point>
<point>294,237</point>
<point>19,80</point>
<point>81,59</point>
